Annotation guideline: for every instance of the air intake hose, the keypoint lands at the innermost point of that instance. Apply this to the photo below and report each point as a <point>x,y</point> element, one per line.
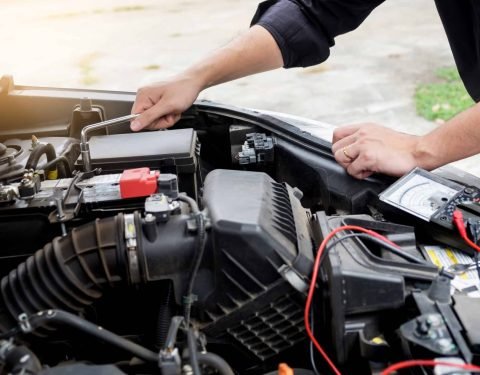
<point>70,272</point>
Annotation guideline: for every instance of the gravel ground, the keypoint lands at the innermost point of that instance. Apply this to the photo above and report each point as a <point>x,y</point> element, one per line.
<point>124,44</point>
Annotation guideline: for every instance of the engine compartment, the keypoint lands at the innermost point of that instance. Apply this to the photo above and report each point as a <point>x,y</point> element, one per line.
<point>193,248</point>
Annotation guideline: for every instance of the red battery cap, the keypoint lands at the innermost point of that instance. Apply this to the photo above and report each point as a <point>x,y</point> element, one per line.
<point>138,182</point>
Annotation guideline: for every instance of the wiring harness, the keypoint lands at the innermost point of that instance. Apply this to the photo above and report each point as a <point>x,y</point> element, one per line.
<point>459,222</point>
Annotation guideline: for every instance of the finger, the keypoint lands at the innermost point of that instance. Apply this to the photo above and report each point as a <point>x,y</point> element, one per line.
<point>362,175</point>
<point>147,117</point>
<point>164,122</point>
<point>344,142</point>
<point>346,155</point>
<point>340,158</point>
<point>137,107</point>
<point>142,103</point>
<point>363,166</point>
<point>344,131</point>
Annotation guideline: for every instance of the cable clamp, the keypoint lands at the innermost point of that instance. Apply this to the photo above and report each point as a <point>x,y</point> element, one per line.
<point>131,244</point>
<point>190,299</point>
<point>24,323</point>
<point>293,278</point>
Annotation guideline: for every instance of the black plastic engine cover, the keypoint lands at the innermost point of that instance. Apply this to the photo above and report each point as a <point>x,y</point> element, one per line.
<point>262,249</point>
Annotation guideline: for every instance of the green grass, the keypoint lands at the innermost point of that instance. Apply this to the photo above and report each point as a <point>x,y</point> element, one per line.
<point>442,100</point>
<point>152,67</point>
<point>85,65</point>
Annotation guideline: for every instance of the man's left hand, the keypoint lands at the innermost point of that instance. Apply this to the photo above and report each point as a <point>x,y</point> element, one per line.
<point>365,149</point>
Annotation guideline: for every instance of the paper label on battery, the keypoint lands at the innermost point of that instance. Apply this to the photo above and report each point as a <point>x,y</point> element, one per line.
<point>106,179</point>
<point>468,282</point>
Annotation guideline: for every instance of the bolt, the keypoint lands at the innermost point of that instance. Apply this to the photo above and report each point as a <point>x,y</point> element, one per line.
<point>60,212</point>
<point>149,218</point>
<point>187,370</point>
<point>422,328</point>
<point>435,320</point>
<point>446,345</point>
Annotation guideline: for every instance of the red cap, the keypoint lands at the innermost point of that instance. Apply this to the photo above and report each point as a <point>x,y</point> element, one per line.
<point>138,182</point>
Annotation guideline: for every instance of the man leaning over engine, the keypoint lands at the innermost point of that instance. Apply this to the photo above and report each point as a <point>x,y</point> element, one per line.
<point>299,33</point>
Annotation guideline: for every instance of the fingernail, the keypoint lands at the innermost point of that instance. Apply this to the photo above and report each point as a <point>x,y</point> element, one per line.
<point>135,125</point>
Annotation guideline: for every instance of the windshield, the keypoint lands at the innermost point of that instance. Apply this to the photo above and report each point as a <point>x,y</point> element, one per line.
<point>374,73</point>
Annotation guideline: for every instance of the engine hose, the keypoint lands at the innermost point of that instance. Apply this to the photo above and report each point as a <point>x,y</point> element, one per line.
<point>37,152</point>
<point>57,317</point>
<point>18,359</point>
<point>216,362</point>
<point>63,162</point>
<point>70,272</point>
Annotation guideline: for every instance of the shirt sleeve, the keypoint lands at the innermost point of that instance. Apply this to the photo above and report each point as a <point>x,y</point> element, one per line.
<point>461,21</point>
<point>305,29</point>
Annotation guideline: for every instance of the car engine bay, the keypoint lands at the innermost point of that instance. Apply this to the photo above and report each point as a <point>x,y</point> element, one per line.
<point>230,243</point>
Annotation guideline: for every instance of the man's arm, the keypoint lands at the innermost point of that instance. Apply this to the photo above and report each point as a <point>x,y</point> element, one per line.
<point>367,148</point>
<point>286,33</point>
<point>161,104</point>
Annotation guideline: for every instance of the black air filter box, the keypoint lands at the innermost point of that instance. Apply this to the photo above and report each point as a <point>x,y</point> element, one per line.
<point>263,257</point>
<point>170,151</point>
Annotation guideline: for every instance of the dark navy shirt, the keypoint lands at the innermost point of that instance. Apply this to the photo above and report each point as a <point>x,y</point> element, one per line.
<point>305,30</point>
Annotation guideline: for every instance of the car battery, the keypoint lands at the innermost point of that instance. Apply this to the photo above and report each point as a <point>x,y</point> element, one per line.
<point>171,151</point>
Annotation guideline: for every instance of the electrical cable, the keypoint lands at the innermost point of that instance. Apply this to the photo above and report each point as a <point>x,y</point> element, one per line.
<point>189,298</point>
<point>428,363</point>
<point>460,224</point>
<point>60,317</point>
<point>200,249</point>
<point>216,362</point>
<point>312,353</point>
<point>311,291</point>
<point>388,246</point>
<point>477,266</point>
<point>191,202</point>
<point>193,352</point>
<point>313,282</point>
<point>10,333</point>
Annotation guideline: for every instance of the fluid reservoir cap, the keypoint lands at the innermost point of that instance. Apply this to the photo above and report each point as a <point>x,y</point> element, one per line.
<point>3,149</point>
<point>138,182</point>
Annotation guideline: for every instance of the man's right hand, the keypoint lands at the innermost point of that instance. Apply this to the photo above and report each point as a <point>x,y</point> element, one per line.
<point>161,104</point>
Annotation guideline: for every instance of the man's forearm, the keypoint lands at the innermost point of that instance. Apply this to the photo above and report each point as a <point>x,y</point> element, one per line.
<point>457,139</point>
<point>253,52</point>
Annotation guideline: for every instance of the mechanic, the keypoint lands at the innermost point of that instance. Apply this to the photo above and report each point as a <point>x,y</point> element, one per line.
<point>299,33</point>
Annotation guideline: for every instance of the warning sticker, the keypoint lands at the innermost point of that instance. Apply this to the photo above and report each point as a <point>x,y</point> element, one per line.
<point>466,282</point>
